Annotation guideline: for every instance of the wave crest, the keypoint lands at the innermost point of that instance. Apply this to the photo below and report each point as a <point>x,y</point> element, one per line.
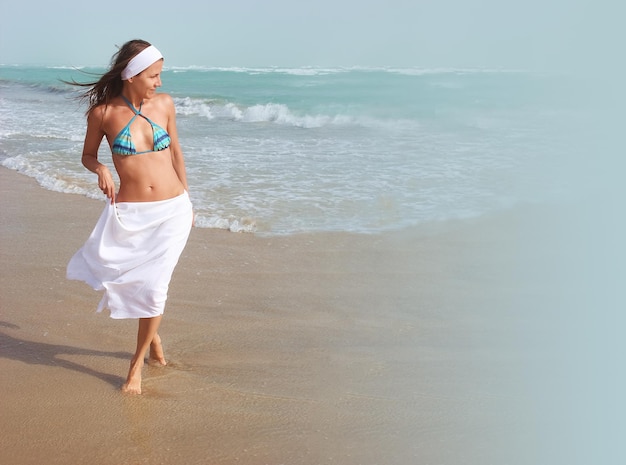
<point>276,113</point>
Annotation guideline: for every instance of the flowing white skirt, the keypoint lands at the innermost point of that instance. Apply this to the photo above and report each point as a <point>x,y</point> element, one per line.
<point>131,255</point>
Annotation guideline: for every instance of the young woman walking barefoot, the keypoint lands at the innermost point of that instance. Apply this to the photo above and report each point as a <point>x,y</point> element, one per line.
<point>135,245</point>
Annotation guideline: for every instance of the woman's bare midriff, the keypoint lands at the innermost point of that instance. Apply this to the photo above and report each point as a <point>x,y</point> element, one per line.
<point>147,177</point>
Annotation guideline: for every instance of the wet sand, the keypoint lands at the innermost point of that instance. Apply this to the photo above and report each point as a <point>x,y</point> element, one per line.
<point>401,348</point>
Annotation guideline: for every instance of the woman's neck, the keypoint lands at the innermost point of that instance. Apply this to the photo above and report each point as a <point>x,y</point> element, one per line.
<point>133,98</point>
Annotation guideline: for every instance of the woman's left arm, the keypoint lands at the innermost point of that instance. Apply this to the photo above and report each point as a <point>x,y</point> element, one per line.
<point>178,160</point>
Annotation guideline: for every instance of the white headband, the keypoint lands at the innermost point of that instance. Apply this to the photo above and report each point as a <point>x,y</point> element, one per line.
<point>141,61</point>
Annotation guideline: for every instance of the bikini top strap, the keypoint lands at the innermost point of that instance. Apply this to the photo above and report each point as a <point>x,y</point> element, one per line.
<point>132,107</point>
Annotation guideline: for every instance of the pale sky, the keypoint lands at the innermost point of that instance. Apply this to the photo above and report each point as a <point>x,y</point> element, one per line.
<point>530,34</point>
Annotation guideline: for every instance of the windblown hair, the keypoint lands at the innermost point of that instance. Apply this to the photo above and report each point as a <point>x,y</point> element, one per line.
<point>110,83</point>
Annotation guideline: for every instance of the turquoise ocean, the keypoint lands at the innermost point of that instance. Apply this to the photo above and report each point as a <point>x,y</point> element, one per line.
<point>280,151</point>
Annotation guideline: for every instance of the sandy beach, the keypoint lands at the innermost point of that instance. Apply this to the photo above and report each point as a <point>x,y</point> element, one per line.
<point>401,348</point>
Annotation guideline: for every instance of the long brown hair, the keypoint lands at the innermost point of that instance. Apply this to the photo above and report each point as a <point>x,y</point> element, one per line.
<point>110,83</point>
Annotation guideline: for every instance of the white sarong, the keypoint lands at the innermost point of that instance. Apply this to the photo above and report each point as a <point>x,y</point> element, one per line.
<point>131,255</point>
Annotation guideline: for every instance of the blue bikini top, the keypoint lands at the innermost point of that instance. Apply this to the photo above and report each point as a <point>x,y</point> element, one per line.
<point>123,144</point>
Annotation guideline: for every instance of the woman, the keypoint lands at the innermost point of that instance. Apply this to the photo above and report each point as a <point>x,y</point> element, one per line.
<point>132,252</point>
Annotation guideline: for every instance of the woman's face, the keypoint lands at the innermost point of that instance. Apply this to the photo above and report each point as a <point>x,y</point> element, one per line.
<point>149,80</point>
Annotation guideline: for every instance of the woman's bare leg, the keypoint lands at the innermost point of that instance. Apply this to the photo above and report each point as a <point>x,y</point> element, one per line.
<point>148,328</point>
<point>156,356</point>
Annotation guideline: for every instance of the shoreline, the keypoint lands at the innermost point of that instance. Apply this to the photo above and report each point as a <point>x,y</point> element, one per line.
<point>342,348</point>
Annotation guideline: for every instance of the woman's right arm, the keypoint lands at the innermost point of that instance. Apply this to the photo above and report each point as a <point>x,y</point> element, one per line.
<point>93,138</point>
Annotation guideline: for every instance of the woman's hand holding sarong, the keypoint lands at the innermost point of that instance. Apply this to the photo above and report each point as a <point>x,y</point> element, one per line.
<point>105,182</point>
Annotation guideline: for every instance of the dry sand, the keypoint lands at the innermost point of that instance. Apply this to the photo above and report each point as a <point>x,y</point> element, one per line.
<point>402,348</point>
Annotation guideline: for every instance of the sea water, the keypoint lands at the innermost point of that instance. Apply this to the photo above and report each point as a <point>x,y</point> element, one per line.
<point>282,151</point>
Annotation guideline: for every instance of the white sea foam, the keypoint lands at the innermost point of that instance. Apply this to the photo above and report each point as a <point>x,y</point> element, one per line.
<point>188,106</point>
<point>51,180</point>
<point>230,224</point>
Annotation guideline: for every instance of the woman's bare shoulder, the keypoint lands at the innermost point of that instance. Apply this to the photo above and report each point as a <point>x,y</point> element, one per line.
<point>105,109</point>
<point>106,115</point>
<point>164,100</point>
<point>97,114</point>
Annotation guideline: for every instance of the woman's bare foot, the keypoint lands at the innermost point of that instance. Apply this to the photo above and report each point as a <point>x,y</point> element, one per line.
<point>133,381</point>
<point>156,356</point>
